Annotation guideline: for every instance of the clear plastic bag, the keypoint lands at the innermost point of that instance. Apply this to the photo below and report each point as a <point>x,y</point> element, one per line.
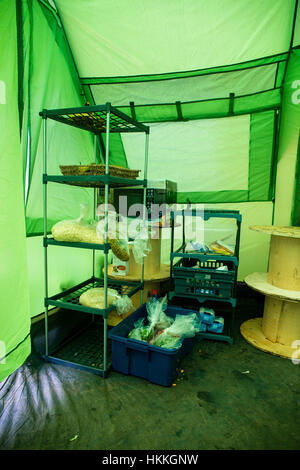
<point>78,230</point>
<point>141,245</point>
<point>140,250</point>
<point>95,298</point>
<point>140,331</point>
<point>156,314</point>
<point>123,304</point>
<point>184,326</point>
<point>157,320</point>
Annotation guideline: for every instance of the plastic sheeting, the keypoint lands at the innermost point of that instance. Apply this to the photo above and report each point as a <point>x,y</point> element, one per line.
<point>14,295</point>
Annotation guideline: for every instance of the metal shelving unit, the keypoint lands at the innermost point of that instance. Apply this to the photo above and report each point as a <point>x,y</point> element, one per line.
<point>87,350</point>
<point>205,283</point>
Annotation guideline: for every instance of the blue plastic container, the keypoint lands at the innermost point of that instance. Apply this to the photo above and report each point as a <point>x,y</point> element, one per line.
<point>132,357</point>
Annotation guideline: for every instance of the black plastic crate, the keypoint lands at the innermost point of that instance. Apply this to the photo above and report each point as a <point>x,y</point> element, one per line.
<point>202,278</point>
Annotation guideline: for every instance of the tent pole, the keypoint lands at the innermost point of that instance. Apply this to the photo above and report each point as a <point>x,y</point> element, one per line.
<point>144,208</point>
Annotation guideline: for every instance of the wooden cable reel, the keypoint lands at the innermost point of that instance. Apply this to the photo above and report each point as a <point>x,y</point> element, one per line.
<point>279,328</point>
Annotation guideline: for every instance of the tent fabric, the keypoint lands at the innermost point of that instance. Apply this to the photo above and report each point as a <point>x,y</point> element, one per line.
<point>52,83</point>
<point>138,38</point>
<point>15,343</point>
<point>288,180</point>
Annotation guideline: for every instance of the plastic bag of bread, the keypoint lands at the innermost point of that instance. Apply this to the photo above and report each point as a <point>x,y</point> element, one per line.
<point>79,230</point>
<point>94,298</point>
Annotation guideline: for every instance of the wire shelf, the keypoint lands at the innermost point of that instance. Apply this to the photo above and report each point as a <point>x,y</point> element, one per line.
<point>84,350</point>
<point>93,119</point>
<point>70,299</point>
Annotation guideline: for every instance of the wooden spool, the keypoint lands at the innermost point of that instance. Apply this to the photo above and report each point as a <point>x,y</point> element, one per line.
<point>151,264</point>
<point>279,328</point>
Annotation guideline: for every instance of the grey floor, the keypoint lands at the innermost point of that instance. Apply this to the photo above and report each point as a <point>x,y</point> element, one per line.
<point>227,397</point>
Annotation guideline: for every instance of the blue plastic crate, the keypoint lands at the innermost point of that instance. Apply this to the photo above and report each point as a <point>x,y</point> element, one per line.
<point>132,357</point>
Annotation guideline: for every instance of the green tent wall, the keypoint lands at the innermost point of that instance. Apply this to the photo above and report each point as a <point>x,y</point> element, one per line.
<point>14,298</point>
<point>218,82</point>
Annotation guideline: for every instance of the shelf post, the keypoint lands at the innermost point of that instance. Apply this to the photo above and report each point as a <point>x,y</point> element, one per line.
<point>95,197</point>
<point>45,231</point>
<point>106,230</point>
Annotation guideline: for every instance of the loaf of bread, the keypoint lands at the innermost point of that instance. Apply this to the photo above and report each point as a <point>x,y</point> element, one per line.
<point>94,297</point>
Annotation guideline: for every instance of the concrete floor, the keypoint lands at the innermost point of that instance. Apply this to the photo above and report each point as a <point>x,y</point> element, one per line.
<point>228,397</point>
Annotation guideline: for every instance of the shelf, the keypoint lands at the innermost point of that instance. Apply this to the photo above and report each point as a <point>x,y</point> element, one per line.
<point>203,298</point>
<point>259,282</point>
<point>162,275</point>
<point>226,335</point>
<point>90,246</point>
<point>83,350</point>
<point>69,299</point>
<point>208,213</point>
<point>290,232</point>
<point>93,119</point>
<point>205,256</point>
<point>93,181</point>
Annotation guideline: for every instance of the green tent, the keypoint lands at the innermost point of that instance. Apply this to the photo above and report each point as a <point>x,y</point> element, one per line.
<point>219,85</point>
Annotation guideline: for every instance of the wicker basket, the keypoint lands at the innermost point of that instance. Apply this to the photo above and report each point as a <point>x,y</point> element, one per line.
<point>89,120</point>
<point>94,169</point>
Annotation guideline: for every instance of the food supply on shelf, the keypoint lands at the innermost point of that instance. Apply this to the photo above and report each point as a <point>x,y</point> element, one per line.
<point>217,326</point>
<point>74,231</point>
<point>119,248</point>
<point>115,235</point>
<point>119,267</point>
<point>78,230</point>
<point>196,246</point>
<point>94,298</point>
<point>207,315</point>
<point>210,322</point>
<point>95,169</point>
<point>220,248</point>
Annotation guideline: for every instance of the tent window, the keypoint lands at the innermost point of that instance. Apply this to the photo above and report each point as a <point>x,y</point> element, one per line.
<point>200,155</point>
